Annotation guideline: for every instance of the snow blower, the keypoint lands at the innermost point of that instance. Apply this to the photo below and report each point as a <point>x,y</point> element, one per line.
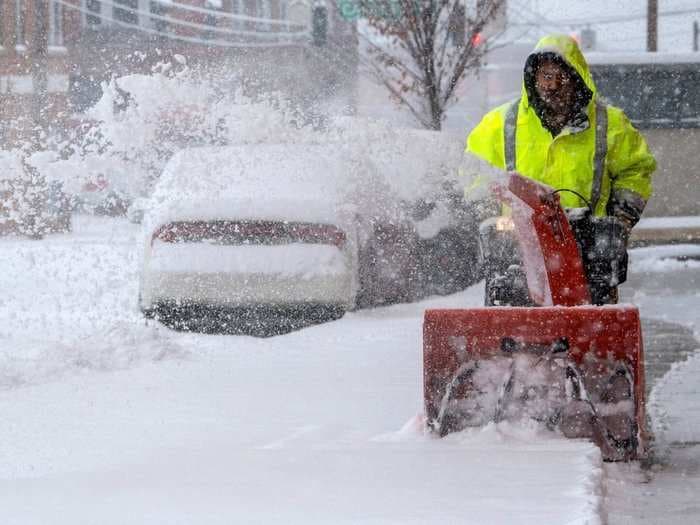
<point>546,347</point>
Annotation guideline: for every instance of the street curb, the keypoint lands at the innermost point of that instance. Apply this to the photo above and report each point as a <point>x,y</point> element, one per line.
<point>653,236</point>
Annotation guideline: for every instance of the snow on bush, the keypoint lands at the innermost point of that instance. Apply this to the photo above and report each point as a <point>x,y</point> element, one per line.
<point>28,202</point>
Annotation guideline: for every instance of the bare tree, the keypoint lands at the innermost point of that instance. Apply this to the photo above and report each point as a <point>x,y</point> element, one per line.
<point>421,49</point>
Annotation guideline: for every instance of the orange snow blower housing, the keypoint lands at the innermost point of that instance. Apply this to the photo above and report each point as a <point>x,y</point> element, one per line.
<point>575,367</point>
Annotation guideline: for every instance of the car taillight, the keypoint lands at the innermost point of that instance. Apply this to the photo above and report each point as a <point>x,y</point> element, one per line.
<point>166,233</point>
<point>250,232</point>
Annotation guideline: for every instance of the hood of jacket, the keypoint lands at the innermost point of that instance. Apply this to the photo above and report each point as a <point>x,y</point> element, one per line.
<point>565,51</point>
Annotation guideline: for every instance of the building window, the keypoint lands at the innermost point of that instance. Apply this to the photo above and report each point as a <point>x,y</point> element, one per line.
<point>210,19</point>
<point>55,24</point>
<point>284,12</point>
<point>236,9</point>
<point>93,6</point>
<point>263,11</point>
<point>158,9</point>
<point>128,13</point>
<point>20,20</point>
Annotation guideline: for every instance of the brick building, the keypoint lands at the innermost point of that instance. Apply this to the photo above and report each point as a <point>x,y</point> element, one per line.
<point>90,41</point>
<point>117,37</point>
<point>27,64</point>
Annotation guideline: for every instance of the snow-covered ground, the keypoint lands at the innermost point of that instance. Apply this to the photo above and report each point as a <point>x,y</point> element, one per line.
<point>665,283</point>
<point>109,419</point>
<point>668,493</point>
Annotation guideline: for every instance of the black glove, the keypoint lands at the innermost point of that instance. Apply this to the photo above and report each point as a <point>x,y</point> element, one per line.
<point>627,207</point>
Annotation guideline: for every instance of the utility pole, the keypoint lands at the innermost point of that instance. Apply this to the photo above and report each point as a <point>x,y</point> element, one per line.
<point>696,36</point>
<point>39,50</point>
<point>652,25</point>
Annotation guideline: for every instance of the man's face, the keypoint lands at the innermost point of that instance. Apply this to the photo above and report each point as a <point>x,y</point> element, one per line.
<point>555,86</point>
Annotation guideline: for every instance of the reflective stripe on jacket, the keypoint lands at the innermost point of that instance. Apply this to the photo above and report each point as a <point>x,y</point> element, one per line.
<point>568,160</point>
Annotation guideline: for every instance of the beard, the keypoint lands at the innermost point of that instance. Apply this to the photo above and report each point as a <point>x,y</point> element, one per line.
<point>557,102</point>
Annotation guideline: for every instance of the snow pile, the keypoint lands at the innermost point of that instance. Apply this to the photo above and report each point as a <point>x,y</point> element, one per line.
<point>659,259</point>
<point>674,403</point>
<point>650,223</point>
<point>69,305</point>
<point>30,361</point>
<point>53,288</point>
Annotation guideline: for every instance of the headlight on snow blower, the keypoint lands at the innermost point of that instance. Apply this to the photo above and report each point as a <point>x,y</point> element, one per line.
<point>504,224</point>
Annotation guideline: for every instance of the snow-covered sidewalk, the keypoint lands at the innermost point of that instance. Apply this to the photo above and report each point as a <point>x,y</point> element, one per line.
<point>109,420</point>
<point>274,432</point>
<point>665,283</point>
<point>669,493</point>
<point>657,230</point>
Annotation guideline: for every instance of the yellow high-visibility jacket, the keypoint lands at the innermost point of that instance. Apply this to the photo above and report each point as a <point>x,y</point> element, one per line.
<point>568,160</point>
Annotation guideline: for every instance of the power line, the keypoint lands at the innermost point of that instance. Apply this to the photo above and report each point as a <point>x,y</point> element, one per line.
<point>183,38</point>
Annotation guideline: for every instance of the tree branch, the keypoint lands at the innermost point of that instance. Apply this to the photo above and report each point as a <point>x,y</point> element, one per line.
<point>468,56</point>
<point>399,96</point>
<point>424,61</point>
<point>396,63</point>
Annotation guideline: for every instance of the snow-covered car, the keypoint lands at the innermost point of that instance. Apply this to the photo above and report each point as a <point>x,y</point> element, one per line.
<point>447,229</point>
<point>430,248</point>
<point>241,235</point>
<point>420,236</point>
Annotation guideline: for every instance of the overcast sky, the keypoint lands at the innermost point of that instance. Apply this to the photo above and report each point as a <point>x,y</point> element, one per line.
<point>547,16</point>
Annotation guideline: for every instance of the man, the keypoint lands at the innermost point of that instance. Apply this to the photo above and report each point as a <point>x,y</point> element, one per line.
<point>560,133</point>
